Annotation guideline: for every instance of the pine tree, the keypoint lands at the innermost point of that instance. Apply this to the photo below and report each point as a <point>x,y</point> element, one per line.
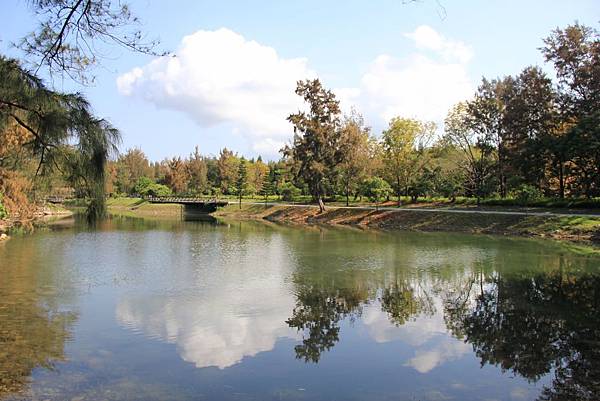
<point>268,184</point>
<point>316,146</point>
<point>242,180</point>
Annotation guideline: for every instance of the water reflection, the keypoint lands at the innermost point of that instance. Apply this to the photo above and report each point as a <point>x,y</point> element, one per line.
<point>33,328</point>
<point>195,310</point>
<point>534,325</point>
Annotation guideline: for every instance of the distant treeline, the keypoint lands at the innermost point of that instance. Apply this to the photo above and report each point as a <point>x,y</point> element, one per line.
<point>523,136</point>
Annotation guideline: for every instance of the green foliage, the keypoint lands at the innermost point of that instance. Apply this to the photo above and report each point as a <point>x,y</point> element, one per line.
<point>269,184</point>
<point>289,192</point>
<point>242,178</point>
<point>526,194</point>
<point>375,188</point>
<point>147,187</point>
<point>3,212</point>
<point>62,130</point>
<point>316,149</point>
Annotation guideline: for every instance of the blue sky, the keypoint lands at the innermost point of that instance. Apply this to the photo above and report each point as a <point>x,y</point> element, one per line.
<point>232,82</point>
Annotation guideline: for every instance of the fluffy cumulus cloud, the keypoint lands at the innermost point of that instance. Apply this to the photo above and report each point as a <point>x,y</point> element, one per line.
<point>423,84</point>
<point>427,336</point>
<point>221,77</point>
<point>225,315</point>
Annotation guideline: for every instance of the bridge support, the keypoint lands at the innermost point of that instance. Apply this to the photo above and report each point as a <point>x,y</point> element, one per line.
<point>191,210</point>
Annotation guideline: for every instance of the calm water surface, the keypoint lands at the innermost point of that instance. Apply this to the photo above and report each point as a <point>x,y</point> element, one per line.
<point>141,310</point>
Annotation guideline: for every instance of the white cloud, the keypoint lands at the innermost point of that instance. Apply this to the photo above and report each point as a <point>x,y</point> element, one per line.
<point>427,38</point>
<point>445,350</point>
<point>221,77</point>
<point>420,85</point>
<point>427,335</point>
<point>225,315</point>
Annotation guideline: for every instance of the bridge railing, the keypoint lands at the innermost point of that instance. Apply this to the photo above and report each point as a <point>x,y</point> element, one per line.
<point>181,199</point>
<point>56,199</point>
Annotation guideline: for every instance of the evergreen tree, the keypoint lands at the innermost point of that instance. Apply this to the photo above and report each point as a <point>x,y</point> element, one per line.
<point>242,180</point>
<point>267,187</point>
<point>316,144</point>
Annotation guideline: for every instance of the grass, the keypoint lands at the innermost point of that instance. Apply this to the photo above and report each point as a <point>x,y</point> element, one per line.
<point>574,228</point>
<point>137,207</point>
<point>571,228</point>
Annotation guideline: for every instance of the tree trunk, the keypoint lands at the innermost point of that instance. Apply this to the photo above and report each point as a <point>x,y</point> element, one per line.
<point>561,180</point>
<point>347,195</point>
<point>321,204</point>
<point>398,191</point>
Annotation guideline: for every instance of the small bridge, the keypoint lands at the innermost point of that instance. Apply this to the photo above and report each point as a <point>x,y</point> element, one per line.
<point>191,204</point>
<point>56,199</point>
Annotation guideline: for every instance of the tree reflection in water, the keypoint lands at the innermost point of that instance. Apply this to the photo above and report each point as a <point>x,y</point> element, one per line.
<point>318,312</point>
<point>531,325</point>
<point>33,331</point>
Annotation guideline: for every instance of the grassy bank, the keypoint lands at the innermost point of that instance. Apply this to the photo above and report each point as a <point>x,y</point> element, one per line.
<point>136,207</point>
<point>43,213</point>
<point>570,228</point>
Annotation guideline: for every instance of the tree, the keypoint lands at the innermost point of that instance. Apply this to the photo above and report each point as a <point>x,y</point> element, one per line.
<point>61,131</point>
<point>267,188</point>
<point>575,53</point>
<point>529,118</point>
<point>197,172</point>
<point>227,166</point>
<point>355,144</point>
<point>176,177</point>
<point>403,145</point>
<point>486,118</point>
<point>375,188</point>
<point>146,187</point>
<point>242,180</point>
<point>316,144</point>
<point>131,166</point>
<point>68,36</point>
<point>257,172</point>
<point>464,133</point>
<point>289,192</point>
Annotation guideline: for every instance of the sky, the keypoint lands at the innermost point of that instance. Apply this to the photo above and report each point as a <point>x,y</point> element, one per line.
<point>232,81</point>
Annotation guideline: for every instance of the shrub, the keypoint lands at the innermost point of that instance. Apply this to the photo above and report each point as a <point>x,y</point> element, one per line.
<point>146,187</point>
<point>289,191</point>
<point>375,188</point>
<point>525,194</point>
<point>3,212</point>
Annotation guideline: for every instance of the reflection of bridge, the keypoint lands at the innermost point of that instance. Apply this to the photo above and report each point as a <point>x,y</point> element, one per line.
<point>191,204</point>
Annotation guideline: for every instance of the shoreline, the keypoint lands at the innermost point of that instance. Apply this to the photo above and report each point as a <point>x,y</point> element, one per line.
<point>46,212</point>
<point>582,229</point>
<point>574,228</point>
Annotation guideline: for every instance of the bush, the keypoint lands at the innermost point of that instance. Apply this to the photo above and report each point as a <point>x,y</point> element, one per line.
<point>289,191</point>
<point>375,188</point>
<point>142,185</point>
<point>526,194</point>
<point>146,187</point>
<point>3,212</point>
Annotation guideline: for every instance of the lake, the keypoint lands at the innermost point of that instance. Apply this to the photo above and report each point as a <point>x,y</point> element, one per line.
<point>226,310</point>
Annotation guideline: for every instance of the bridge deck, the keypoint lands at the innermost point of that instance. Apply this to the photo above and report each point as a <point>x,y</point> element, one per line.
<point>187,200</point>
